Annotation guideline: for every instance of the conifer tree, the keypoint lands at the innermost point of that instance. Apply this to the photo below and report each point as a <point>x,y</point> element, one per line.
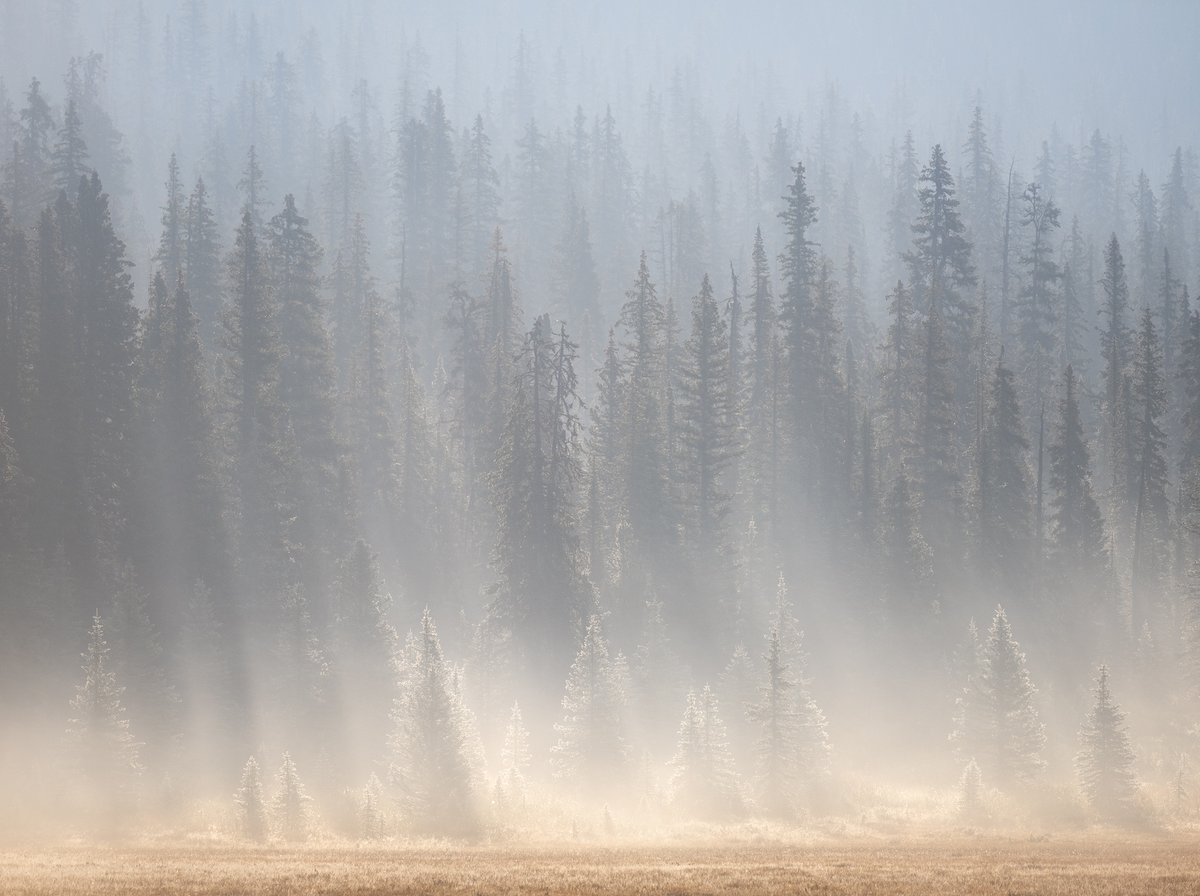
<point>430,745</point>
<point>515,757</point>
<point>940,258</point>
<point>251,804</point>
<point>290,806</point>
<point>1115,353</point>
<point>170,255</point>
<point>1004,494</point>
<point>104,753</point>
<point>202,263</point>
<point>998,723</point>
<point>704,779</point>
<point>1106,758</point>
<point>591,755</point>
<point>1076,524</point>
<point>1147,474</point>
<point>70,155</point>
<point>1037,307</point>
<point>371,815</point>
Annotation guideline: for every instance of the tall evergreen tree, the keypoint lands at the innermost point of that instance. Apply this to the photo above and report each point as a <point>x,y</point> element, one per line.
<point>591,754</point>
<point>1106,759</point>
<point>998,723</point>
<point>431,757</point>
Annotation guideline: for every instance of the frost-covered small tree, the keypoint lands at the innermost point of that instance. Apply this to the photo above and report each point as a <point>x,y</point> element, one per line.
<point>251,805</point>
<point>996,720</point>
<point>515,757</point>
<point>704,780</point>
<point>291,803</point>
<point>1105,761</point>
<point>371,820</point>
<point>591,752</point>
<point>431,744</point>
<point>103,751</point>
<point>970,792</point>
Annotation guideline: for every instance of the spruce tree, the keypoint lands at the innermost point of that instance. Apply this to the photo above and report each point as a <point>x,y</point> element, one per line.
<point>998,724</point>
<point>431,764</point>
<point>704,780</point>
<point>1106,758</point>
<point>251,804</point>
<point>290,806</point>
<point>1076,524</point>
<point>103,752</point>
<point>1004,495</point>
<point>591,755</point>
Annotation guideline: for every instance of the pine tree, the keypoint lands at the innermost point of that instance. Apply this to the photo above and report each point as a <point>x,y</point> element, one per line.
<point>704,779</point>
<point>170,255</point>
<point>900,372</point>
<point>1106,759</point>
<point>515,757</point>
<point>997,723</point>
<point>542,596</point>
<point>371,817</point>
<point>940,258</point>
<point>307,378</point>
<point>1147,474</point>
<point>1004,495</point>
<point>591,755</point>
<point>970,792</point>
<point>202,263</point>
<point>707,441</point>
<point>776,776</point>
<point>290,806</point>
<point>70,155</point>
<point>104,753</point>
<point>430,745</point>
<point>1076,524</point>
<point>1115,354</point>
<point>1037,306</point>
<point>251,804</point>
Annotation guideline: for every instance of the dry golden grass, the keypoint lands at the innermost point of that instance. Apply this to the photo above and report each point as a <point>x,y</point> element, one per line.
<point>958,865</point>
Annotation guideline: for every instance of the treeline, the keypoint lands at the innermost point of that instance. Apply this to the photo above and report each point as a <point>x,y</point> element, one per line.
<point>591,466</point>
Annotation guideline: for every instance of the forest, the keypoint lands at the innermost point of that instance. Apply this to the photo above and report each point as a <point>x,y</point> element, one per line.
<point>424,424</point>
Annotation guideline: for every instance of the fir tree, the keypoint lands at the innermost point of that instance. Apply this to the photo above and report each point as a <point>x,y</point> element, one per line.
<point>591,755</point>
<point>290,806</point>
<point>104,753</point>
<point>1076,524</point>
<point>430,745</point>
<point>998,724</point>
<point>704,780</point>
<point>1106,759</point>
<point>251,805</point>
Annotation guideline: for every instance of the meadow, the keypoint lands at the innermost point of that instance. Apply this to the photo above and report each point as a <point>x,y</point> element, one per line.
<point>956,863</point>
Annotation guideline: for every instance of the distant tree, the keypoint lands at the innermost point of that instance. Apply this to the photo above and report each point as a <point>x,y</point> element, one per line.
<point>515,757</point>
<point>940,259</point>
<point>1115,351</point>
<point>430,745</point>
<point>371,817</point>
<point>970,792</point>
<point>997,721</point>
<point>251,805</point>
<point>591,755</point>
<point>103,751</point>
<point>1004,493</point>
<point>1106,759</point>
<point>704,779</point>
<point>1038,302</point>
<point>1076,524</point>
<point>202,263</point>
<point>290,806</point>
<point>70,155</point>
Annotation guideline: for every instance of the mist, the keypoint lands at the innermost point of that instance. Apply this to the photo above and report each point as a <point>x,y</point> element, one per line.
<point>581,420</point>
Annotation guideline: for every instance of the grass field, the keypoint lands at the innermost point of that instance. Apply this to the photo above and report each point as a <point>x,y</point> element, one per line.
<point>958,865</point>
